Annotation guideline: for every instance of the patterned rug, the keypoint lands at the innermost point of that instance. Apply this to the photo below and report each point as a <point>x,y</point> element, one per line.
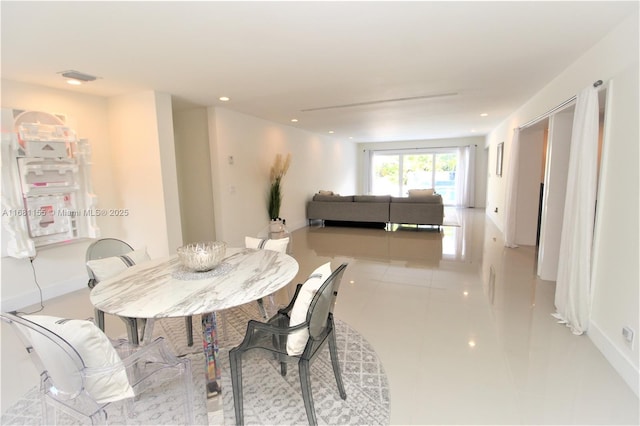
<point>269,398</point>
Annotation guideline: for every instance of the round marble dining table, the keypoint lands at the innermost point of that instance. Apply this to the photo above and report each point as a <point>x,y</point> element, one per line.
<point>162,288</point>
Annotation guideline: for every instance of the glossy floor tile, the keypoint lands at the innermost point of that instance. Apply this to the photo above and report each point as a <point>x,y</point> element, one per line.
<point>464,327</point>
<point>461,324</point>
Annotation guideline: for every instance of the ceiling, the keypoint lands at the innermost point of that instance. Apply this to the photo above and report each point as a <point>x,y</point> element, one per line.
<point>366,71</point>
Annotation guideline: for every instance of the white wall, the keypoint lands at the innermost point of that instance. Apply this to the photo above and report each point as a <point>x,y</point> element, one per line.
<point>529,186</point>
<point>166,144</point>
<point>60,269</point>
<point>480,169</point>
<point>194,175</point>
<point>124,135</point>
<point>144,171</point>
<point>240,189</point>
<point>615,275</point>
<point>555,190</point>
<point>613,60</point>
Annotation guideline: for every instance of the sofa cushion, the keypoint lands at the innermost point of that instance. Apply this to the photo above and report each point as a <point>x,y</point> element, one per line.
<point>433,199</point>
<point>421,192</point>
<point>324,192</point>
<point>372,198</point>
<point>333,198</point>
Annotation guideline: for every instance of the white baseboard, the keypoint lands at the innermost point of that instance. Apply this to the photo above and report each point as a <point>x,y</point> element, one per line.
<point>32,297</point>
<point>618,360</point>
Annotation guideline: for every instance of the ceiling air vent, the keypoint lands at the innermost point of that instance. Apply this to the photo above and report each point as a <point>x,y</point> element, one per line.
<point>77,75</point>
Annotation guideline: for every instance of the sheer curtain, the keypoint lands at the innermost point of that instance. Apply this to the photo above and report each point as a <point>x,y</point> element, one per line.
<point>511,196</point>
<point>573,284</point>
<point>465,176</point>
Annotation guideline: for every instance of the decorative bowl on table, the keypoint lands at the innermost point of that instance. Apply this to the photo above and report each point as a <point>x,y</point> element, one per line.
<point>203,256</point>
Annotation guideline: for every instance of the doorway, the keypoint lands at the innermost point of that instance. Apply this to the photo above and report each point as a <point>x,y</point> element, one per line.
<point>542,185</point>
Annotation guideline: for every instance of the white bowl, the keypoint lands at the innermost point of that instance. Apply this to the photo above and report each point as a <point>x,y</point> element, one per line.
<point>203,256</point>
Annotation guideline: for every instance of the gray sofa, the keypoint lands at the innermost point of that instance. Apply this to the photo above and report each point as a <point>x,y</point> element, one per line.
<point>419,210</point>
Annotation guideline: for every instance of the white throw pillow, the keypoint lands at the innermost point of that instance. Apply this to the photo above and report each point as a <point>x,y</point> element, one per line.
<point>323,192</point>
<point>298,340</point>
<point>267,244</point>
<point>94,348</point>
<point>111,266</point>
<point>420,192</point>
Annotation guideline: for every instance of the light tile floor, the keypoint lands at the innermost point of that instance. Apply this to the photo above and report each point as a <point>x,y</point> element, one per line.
<point>461,324</point>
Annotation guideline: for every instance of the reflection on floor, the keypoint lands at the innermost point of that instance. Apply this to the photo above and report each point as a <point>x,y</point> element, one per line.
<point>464,327</point>
<point>461,324</point>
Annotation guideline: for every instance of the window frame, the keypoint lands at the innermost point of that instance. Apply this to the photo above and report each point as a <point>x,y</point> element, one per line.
<point>413,151</point>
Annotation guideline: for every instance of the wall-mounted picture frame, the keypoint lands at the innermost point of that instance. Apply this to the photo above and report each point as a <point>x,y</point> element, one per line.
<point>499,159</point>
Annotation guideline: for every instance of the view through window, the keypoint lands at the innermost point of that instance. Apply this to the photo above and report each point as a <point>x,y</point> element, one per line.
<point>395,173</point>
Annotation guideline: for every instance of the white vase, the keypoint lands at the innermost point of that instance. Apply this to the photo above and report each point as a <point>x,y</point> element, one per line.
<point>277,225</point>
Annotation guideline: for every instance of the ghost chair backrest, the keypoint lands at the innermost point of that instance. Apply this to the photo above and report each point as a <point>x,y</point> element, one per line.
<point>102,249</point>
<point>82,373</point>
<point>78,378</point>
<point>324,302</point>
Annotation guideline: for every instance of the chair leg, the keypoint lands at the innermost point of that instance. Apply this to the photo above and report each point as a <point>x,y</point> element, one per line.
<point>187,379</point>
<point>99,318</point>
<point>132,329</point>
<point>305,384</point>
<point>262,309</point>
<point>235,360</point>
<point>333,352</point>
<point>49,415</point>
<point>188,323</point>
<point>282,323</point>
<point>147,330</point>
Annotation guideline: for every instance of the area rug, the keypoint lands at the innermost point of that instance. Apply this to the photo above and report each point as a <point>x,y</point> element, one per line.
<point>269,398</point>
<point>163,407</point>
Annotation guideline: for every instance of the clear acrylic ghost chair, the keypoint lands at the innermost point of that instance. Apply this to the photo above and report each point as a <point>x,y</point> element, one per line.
<point>101,249</point>
<point>68,386</point>
<point>270,339</point>
<point>269,241</point>
<point>110,247</point>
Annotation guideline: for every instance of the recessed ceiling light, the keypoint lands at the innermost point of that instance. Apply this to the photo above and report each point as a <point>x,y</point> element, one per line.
<point>484,114</point>
<point>294,120</point>
<point>331,131</point>
<point>473,130</point>
<point>224,98</point>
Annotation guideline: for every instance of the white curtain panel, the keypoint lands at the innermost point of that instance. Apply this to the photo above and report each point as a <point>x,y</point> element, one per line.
<point>461,176</point>
<point>471,176</point>
<point>465,176</point>
<point>573,284</point>
<point>511,195</point>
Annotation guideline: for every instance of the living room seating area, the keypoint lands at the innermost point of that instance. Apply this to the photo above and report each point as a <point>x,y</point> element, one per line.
<point>420,207</point>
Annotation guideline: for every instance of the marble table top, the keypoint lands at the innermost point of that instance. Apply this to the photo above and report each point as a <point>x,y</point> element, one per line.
<point>162,288</point>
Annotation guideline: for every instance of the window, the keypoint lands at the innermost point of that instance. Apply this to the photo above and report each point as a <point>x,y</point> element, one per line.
<point>396,172</point>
